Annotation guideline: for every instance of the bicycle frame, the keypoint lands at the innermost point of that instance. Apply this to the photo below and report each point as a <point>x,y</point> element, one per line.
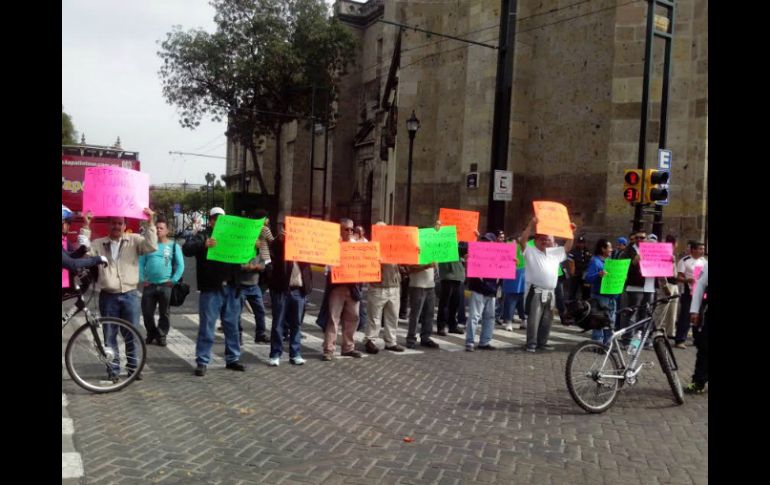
<point>80,306</point>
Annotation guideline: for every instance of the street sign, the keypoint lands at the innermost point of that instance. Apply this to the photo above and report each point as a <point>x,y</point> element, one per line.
<point>665,157</point>
<point>503,185</point>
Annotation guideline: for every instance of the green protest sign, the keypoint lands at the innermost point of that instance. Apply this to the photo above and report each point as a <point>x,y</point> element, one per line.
<point>615,279</point>
<point>236,239</point>
<point>519,258</point>
<point>438,246</point>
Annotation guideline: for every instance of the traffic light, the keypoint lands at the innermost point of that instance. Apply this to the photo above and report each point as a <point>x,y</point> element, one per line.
<point>632,185</point>
<point>655,185</point>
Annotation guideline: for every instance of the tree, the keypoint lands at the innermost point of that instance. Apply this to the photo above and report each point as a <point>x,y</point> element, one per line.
<point>257,70</point>
<point>68,133</point>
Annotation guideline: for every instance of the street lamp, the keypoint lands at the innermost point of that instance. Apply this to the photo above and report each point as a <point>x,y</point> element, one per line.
<point>210,177</point>
<point>412,125</point>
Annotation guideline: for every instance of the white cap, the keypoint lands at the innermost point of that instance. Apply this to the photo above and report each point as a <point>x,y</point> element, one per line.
<point>217,211</point>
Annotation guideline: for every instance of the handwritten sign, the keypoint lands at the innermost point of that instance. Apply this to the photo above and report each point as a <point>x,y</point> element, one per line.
<point>656,259</point>
<point>466,222</point>
<point>615,279</point>
<point>438,246</point>
<point>236,237</point>
<point>359,263</point>
<point>491,260</point>
<point>312,241</point>
<point>116,192</point>
<point>552,219</point>
<point>519,257</point>
<point>398,244</point>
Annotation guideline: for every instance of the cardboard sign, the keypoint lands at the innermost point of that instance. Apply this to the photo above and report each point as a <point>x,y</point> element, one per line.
<point>359,263</point>
<point>116,192</point>
<point>615,279</point>
<point>492,260</point>
<point>398,244</point>
<point>552,219</point>
<point>656,259</point>
<point>236,239</point>
<point>438,246</point>
<point>466,222</point>
<point>312,241</point>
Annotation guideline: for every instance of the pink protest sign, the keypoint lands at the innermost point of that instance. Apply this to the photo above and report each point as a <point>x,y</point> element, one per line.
<point>657,259</point>
<point>491,260</point>
<point>696,271</point>
<point>115,191</point>
<point>65,275</point>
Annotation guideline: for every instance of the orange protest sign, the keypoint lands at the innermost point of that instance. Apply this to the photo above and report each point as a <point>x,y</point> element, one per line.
<point>398,244</point>
<point>467,222</point>
<point>312,241</point>
<point>359,263</point>
<point>552,219</point>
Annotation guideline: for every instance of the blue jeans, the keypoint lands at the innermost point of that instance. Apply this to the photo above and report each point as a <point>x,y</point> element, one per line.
<point>212,305</point>
<point>125,306</point>
<point>610,301</point>
<point>511,301</point>
<point>288,307</point>
<point>362,309</point>
<point>482,308</point>
<point>253,294</point>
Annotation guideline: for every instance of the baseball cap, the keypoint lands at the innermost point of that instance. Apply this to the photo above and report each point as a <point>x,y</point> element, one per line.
<point>217,211</point>
<point>652,237</point>
<point>622,240</point>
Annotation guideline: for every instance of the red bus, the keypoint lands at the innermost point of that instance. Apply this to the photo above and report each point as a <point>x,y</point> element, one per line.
<point>74,161</point>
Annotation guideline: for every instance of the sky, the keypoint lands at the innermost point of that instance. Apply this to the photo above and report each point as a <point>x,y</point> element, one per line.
<point>111,88</point>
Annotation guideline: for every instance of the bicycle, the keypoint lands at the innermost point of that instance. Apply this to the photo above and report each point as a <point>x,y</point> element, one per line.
<point>595,372</point>
<point>93,365</point>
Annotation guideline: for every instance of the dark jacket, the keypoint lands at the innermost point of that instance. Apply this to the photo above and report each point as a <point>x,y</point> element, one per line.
<point>210,275</point>
<point>634,277</point>
<point>73,262</point>
<point>485,286</point>
<point>281,275</point>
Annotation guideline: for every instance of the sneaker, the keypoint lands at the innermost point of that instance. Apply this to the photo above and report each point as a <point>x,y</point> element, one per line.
<point>530,349</point>
<point>441,333</point>
<point>200,371</point>
<point>352,353</point>
<point>274,362</point>
<point>161,340</point>
<point>469,348</point>
<point>680,345</point>
<point>487,347</point>
<point>509,327</point>
<point>429,343</point>
<point>457,331</point>
<point>545,347</point>
<point>411,345</point>
<point>694,388</point>
<point>261,339</point>
<point>235,366</point>
<point>297,360</point>
<point>327,357</point>
<point>371,347</point>
<point>395,348</point>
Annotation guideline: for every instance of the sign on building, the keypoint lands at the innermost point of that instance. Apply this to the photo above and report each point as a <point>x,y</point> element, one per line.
<point>503,185</point>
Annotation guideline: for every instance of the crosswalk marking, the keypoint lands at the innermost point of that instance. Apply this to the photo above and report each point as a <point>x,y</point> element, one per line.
<point>184,347</point>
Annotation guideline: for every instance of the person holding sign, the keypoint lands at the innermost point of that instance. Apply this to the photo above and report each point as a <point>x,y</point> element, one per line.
<point>344,300</point>
<point>699,319</point>
<point>640,290</point>
<point>422,302</point>
<point>542,262</point>
<point>118,280</point>
<point>594,275</point>
<point>686,275</point>
<point>482,307</point>
<point>219,288</point>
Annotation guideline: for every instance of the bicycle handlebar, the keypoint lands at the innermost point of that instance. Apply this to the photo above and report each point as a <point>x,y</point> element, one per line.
<point>632,309</point>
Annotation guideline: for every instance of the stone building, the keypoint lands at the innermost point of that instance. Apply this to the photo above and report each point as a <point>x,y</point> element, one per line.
<point>575,119</point>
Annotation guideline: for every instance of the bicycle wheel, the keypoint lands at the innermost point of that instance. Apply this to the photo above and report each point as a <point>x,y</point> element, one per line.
<point>123,351</point>
<point>663,352</point>
<point>585,370</point>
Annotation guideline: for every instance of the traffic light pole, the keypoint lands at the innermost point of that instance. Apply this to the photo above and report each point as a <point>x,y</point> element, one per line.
<point>668,37</point>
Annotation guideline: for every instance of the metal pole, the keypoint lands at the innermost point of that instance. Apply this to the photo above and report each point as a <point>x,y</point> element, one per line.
<point>326,148</point>
<point>312,152</point>
<point>502,114</point>
<point>642,161</point>
<point>409,179</point>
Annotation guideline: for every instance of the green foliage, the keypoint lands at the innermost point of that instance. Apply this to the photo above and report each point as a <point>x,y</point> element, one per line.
<point>257,69</point>
<point>190,201</point>
<point>68,133</point>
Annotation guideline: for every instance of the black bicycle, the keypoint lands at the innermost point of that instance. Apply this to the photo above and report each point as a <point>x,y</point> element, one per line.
<point>104,354</point>
<point>596,372</point>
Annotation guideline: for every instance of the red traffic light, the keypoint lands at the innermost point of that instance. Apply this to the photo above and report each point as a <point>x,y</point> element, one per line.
<point>632,177</point>
<point>631,194</point>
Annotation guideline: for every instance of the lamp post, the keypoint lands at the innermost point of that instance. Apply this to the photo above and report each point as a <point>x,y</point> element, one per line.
<point>210,177</point>
<point>412,125</point>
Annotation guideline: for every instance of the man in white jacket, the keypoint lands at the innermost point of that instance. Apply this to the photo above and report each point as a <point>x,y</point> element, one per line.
<point>699,321</point>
